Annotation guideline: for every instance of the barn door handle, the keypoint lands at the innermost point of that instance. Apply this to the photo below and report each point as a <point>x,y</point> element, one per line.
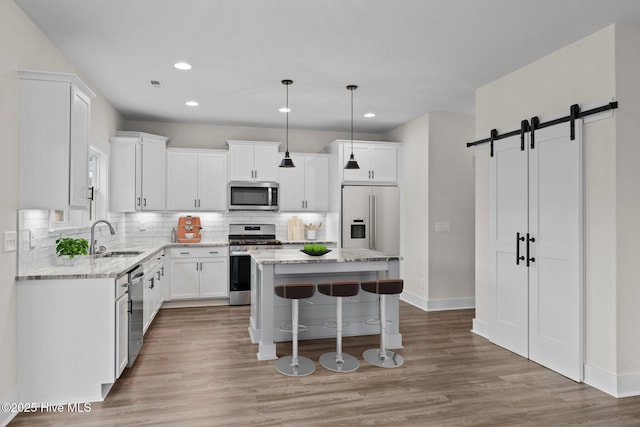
<point>529,241</point>
<point>518,240</point>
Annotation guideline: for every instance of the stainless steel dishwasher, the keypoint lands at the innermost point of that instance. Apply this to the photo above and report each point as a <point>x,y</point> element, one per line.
<point>136,321</point>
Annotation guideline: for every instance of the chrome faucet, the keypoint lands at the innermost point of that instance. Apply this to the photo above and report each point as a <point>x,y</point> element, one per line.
<point>92,247</point>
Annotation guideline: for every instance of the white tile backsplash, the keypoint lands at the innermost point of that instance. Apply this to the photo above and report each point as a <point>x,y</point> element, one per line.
<point>156,228</point>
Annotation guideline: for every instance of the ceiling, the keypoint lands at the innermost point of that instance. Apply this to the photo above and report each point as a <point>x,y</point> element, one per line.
<point>408,57</point>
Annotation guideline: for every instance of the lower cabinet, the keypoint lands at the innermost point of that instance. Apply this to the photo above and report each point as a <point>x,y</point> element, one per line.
<point>122,325</point>
<point>199,273</point>
<point>152,292</point>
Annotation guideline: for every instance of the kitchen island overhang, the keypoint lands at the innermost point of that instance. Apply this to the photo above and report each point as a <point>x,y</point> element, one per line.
<point>270,314</point>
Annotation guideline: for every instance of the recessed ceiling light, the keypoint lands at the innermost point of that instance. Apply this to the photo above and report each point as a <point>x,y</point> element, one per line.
<point>369,115</point>
<point>285,110</point>
<point>192,103</point>
<point>182,66</point>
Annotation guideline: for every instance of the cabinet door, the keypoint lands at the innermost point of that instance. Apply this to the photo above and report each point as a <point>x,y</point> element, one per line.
<point>79,147</point>
<point>44,148</point>
<point>362,156</point>
<point>122,333</point>
<point>266,162</point>
<point>291,190</point>
<point>384,164</point>
<point>316,184</point>
<point>182,180</point>
<point>185,278</point>
<point>214,282</point>
<point>240,162</point>
<point>122,176</point>
<point>153,175</point>
<point>212,182</point>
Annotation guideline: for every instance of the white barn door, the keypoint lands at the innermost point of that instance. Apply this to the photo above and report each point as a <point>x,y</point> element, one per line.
<point>509,293</point>
<point>556,300</point>
<point>535,238</point>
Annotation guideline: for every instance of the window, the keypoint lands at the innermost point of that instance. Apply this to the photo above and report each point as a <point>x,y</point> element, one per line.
<point>97,199</point>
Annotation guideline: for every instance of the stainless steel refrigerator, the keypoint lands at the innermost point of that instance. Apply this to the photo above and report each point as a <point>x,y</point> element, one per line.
<point>371,218</point>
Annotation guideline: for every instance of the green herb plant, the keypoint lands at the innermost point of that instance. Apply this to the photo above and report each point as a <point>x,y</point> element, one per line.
<point>71,247</point>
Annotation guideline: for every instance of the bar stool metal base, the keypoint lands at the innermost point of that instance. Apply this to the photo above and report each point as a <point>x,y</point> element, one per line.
<point>349,363</point>
<point>305,366</point>
<point>373,356</point>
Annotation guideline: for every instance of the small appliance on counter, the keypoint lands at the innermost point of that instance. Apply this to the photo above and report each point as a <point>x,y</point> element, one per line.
<point>189,229</point>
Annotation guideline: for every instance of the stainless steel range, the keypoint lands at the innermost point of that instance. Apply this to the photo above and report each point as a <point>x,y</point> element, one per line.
<point>242,238</point>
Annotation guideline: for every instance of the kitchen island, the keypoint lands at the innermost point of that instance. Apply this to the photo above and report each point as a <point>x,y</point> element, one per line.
<point>270,314</point>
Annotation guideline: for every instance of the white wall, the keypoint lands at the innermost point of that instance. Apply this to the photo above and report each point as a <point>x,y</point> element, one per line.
<point>24,46</point>
<point>592,71</point>
<point>437,186</point>
<point>191,135</point>
<point>628,199</point>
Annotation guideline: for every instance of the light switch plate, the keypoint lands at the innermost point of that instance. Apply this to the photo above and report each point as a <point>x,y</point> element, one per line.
<point>10,241</point>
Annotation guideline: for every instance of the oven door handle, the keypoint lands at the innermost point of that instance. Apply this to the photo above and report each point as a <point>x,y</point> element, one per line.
<point>238,253</point>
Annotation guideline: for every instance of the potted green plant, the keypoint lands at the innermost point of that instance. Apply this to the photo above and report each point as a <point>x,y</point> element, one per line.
<point>68,248</point>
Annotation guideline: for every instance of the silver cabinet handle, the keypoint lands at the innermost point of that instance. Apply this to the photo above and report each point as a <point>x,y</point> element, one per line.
<point>137,201</point>
<point>195,203</point>
<point>145,201</point>
<point>185,253</point>
<point>213,252</point>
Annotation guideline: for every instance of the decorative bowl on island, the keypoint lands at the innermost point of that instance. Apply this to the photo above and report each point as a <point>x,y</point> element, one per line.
<point>315,250</point>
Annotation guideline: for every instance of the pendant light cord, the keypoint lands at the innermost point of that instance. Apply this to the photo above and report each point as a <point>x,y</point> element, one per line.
<point>287,137</point>
<point>351,122</point>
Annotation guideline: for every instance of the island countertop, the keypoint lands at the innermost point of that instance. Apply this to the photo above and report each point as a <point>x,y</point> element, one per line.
<point>295,256</point>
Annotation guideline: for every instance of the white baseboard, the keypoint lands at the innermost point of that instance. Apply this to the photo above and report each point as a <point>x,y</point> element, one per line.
<point>480,327</point>
<point>6,417</point>
<point>625,385</point>
<point>437,304</point>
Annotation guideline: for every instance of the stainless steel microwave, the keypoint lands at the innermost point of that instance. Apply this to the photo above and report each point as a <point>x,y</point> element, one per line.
<point>253,196</point>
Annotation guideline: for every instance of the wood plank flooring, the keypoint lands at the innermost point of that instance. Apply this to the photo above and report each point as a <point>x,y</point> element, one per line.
<point>198,368</point>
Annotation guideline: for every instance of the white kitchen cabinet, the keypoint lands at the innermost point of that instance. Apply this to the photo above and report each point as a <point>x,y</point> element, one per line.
<point>54,141</point>
<point>152,291</point>
<point>378,162</point>
<point>306,186</point>
<point>253,161</point>
<point>196,180</point>
<point>122,325</point>
<point>137,172</point>
<point>200,272</point>
<point>66,339</point>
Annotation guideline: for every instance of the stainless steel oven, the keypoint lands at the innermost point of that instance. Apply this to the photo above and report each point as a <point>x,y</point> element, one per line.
<point>242,239</point>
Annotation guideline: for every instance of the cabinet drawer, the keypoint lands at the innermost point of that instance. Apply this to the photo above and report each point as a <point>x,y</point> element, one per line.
<point>191,252</point>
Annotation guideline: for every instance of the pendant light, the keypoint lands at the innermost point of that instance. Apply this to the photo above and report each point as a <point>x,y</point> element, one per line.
<point>286,161</point>
<point>352,164</point>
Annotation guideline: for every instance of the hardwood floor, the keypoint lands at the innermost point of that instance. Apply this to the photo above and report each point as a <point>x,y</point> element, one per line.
<point>198,368</point>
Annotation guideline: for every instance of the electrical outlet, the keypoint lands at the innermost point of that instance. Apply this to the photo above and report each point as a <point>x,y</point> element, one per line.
<point>32,239</point>
<point>142,227</point>
<point>443,227</point>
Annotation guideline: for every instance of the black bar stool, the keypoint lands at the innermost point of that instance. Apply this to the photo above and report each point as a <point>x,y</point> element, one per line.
<point>336,360</point>
<point>381,356</point>
<point>294,365</point>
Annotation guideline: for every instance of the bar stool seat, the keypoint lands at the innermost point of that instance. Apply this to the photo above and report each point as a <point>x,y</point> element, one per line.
<point>381,356</point>
<point>295,365</point>
<point>338,361</point>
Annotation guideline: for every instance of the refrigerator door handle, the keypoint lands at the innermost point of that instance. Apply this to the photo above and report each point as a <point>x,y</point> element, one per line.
<point>372,222</point>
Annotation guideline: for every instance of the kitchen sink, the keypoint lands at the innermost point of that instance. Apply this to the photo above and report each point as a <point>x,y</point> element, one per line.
<point>119,254</point>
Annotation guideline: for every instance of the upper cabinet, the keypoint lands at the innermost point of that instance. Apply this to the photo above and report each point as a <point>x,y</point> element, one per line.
<point>378,162</point>
<point>306,186</point>
<point>196,180</point>
<point>54,141</point>
<point>253,161</point>
<point>137,172</point>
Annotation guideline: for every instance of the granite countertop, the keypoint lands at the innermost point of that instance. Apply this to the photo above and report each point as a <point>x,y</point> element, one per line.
<point>295,256</point>
<point>107,267</point>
